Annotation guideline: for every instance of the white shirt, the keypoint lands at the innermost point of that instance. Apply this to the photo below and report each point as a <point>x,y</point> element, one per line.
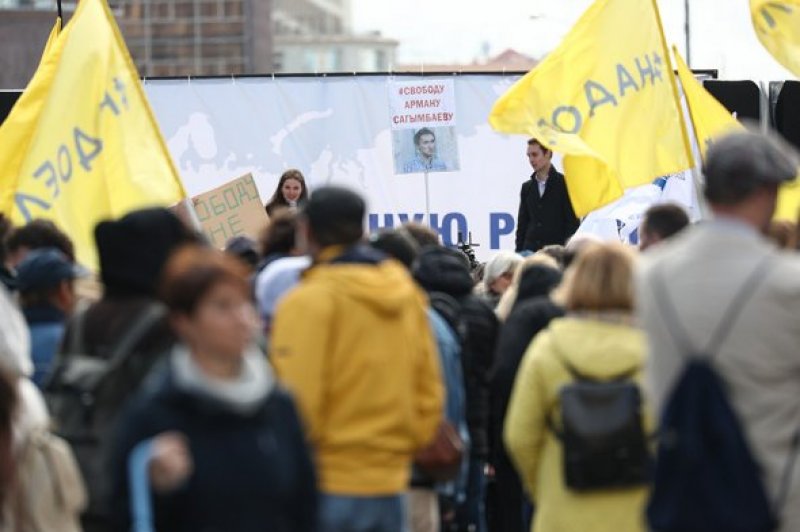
<point>542,186</point>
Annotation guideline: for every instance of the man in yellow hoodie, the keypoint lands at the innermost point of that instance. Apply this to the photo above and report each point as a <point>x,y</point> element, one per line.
<point>353,343</point>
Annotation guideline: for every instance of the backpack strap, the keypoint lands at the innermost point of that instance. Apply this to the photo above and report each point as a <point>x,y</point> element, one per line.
<point>786,480</point>
<point>141,325</point>
<point>76,343</point>
<point>675,327</point>
<point>722,331</point>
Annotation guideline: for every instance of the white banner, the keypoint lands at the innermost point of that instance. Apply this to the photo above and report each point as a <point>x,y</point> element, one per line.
<point>339,130</point>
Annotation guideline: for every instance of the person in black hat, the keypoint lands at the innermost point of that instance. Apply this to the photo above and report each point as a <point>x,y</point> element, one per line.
<point>47,297</point>
<point>132,252</point>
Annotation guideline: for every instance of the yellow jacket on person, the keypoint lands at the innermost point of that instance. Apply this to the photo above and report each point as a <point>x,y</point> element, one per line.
<point>597,348</point>
<point>354,345</point>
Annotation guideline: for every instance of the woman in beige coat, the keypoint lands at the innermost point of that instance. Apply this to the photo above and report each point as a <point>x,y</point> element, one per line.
<point>598,339</point>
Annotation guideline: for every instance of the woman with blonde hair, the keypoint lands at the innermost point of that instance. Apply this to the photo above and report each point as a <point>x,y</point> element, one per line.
<point>596,342</point>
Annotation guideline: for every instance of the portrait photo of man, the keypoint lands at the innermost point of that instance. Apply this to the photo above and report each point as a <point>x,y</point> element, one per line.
<point>425,158</point>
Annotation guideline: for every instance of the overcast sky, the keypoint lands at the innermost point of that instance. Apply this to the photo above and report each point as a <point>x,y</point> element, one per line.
<point>446,31</point>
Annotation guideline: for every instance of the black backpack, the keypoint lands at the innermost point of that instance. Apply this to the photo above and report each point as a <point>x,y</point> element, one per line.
<point>602,433</point>
<point>706,478</point>
<point>83,398</point>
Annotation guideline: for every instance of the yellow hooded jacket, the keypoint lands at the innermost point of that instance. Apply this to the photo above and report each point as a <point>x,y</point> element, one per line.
<point>596,348</point>
<point>354,345</point>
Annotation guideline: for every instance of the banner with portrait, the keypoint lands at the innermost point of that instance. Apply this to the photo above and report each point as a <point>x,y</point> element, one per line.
<point>423,118</point>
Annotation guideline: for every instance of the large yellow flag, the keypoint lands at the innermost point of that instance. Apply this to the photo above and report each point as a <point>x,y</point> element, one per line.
<point>711,120</point>
<point>777,24</point>
<point>606,99</point>
<point>81,144</point>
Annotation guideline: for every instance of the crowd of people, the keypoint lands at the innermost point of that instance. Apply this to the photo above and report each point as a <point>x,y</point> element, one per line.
<point>324,379</point>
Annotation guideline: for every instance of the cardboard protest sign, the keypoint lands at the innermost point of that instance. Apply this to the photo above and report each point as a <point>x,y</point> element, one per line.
<point>234,209</point>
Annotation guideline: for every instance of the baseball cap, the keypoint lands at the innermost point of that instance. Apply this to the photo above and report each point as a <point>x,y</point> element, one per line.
<point>750,156</point>
<point>45,268</point>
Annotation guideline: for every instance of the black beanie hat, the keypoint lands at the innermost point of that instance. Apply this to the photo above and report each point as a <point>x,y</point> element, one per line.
<point>332,205</point>
<point>397,244</point>
<point>335,215</point>
<point>537,280</point>
<point>441,269</point>
<point>134,249</point>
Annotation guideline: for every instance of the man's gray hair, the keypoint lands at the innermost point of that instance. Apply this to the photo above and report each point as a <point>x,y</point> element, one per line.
<point>741,162</point>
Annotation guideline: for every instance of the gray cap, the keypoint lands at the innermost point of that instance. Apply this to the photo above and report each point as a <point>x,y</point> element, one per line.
<point>740,162</point>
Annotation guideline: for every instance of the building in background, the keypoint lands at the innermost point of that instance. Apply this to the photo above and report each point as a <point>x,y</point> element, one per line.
<point>24,27</point>
<point>197,37</point>
<point>506,61</point>
<point>165,37</point>
<point>312,36</point>
<point>208,37</point>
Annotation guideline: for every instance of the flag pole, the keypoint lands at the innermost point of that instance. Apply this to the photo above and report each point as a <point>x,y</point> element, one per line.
<point>697,177</point>
<point>427,200</point>
<point>671,72</point>
<point>689,107</point>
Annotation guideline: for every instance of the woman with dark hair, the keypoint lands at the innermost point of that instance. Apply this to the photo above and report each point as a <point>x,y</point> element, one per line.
<point>277,239</point>
<point>528,310</point>
<point>228,452</point>
<point>290,193</point>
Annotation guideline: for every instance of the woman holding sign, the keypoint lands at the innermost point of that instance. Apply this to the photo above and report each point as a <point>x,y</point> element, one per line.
<point>290,193</point>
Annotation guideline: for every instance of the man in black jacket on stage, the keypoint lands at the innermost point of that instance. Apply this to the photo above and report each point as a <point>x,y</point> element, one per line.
<point>545,211</point>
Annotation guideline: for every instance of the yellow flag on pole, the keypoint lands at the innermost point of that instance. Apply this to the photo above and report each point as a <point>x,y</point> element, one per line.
<point>777,25</point>
<point>605,98</point>
<point>81,144</point>
<point>711,119</point>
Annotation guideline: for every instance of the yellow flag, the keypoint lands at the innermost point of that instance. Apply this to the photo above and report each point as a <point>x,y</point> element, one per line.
<point>789,202</point>
<point>81,144</point>
<point>51,39</point>
<point>777,24</point>
<point>606,99</point>
<point>711,119</point>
